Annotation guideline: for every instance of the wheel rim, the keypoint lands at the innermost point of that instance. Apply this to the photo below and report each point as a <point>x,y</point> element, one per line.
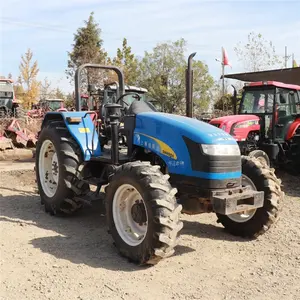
<point>130,215</point>
<point>244,216</point>
<point>48,168</point>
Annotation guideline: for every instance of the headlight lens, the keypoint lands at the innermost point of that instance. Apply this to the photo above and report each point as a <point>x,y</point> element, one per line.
<point>246,124</point>
<point>229,150</point>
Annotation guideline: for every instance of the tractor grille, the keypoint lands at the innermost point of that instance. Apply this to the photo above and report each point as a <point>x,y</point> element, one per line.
<point>211,164</point>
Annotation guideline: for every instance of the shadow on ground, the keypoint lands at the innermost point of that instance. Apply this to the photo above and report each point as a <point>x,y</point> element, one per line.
<point>80,239</point>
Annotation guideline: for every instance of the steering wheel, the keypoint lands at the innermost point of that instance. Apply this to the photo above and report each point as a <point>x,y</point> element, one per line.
<point>135,95</point>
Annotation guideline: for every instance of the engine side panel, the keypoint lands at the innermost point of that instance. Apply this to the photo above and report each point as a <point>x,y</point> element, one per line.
<point>165,135</point>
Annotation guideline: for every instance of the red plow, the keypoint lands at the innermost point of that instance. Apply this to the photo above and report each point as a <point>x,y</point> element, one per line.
<point>13,135</point>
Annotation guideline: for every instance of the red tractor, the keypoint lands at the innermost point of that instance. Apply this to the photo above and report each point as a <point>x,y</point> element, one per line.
<point>268,122</point>
<point>44,106</point>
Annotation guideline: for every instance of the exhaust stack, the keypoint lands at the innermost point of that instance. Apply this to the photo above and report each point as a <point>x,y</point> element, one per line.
<point>189,86</point>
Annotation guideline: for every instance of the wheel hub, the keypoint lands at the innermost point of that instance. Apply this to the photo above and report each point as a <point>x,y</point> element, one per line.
<point>246,215</point>
<point>138,212</point>
<point>130,214</point>
<point>48,168</point>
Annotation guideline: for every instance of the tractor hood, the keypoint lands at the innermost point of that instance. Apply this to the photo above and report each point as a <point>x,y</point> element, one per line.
<point>234,118</point>
<point>227,122</point>
<point>180,141</point>
<point>170,127</point>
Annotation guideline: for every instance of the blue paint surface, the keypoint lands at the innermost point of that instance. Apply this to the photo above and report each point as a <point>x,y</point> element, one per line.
<point>84,139</point>
<point>169,129</point>
<point>164,128</point>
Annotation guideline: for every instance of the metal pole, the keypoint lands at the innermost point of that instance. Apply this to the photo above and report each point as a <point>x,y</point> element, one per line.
<point>293,60</point>
<point>285,57</point>
<point>223,84</point>
<point>96,66</point>
<point>223,80</point>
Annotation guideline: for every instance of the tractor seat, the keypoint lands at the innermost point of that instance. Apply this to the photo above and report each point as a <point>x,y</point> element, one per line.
<point>138,107</point>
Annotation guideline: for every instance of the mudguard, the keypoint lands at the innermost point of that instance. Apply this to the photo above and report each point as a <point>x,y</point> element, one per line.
<point>163,134</point>
<point>82,131</point>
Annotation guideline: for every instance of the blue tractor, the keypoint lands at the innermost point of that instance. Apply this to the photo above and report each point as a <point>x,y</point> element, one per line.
<point>154,166</point>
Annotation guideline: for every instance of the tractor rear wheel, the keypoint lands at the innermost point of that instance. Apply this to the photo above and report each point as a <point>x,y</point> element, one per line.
<point>253,223</point>
<point>142,213</point>
<point>262,156</point>
<point>57,162</point>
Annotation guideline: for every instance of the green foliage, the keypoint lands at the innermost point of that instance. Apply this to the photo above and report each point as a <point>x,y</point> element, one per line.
<point>226,103</point>
<point>59,94</point>
<point>69,101</point>
<point>87,48</point>
<point>257,54</point>
<point>29,71</point>
<point>127,62</point>
<point>163,74</point>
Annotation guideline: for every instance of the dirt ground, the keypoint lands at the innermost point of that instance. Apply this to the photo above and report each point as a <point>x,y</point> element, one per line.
<point>44,257</point>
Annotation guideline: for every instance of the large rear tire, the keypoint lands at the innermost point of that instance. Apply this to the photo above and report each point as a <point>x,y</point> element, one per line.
<point>57,161</point>
<point>142,213</point>
<point>251,224</point>
<point>261,156</point>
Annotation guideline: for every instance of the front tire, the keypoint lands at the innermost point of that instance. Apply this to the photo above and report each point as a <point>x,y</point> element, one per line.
<point>142,213</point>
<point>255,223</point>
<point>57,162</point>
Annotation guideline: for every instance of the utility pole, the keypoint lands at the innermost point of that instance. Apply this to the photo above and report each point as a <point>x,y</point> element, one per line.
<point>223,79</point>
<point>223,73</point>
<point>285,57</point>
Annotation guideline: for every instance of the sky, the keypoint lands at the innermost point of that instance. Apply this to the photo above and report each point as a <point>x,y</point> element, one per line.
<point>48,27</point>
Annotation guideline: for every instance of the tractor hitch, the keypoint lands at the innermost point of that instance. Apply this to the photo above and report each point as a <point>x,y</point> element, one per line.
<point>232,201</point>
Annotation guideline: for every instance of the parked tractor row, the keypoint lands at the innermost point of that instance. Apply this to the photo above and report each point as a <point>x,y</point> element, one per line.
<point>12,133</point>
<point>153,166</point>
<point>267,125</point>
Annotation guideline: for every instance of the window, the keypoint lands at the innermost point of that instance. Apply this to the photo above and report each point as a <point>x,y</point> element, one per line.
<point>257,101</point>
<point>6,94</point>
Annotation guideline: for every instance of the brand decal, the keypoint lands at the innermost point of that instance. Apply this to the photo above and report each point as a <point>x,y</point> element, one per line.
<point>155,144</point>
<point>84,130</point>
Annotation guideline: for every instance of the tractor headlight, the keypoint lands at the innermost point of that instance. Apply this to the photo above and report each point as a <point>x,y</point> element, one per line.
<point>246,124</point>
<point>229,150</point>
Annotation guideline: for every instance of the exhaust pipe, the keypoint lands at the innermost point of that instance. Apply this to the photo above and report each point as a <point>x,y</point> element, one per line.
<point>189,86</point>
<point>234,100</point>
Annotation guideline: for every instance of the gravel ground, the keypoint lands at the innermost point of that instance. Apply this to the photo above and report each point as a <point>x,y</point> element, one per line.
<point>44,257</point>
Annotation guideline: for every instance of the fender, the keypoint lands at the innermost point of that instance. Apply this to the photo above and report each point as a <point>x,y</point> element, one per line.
<point>292,129</point>
<point>81,130</point>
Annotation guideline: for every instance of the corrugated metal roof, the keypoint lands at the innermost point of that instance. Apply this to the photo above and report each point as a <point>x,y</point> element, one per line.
<point>288,75</point>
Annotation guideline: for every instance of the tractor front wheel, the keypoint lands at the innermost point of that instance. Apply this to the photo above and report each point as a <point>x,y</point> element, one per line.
<point>142,213</point>
<point>251,224</point>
